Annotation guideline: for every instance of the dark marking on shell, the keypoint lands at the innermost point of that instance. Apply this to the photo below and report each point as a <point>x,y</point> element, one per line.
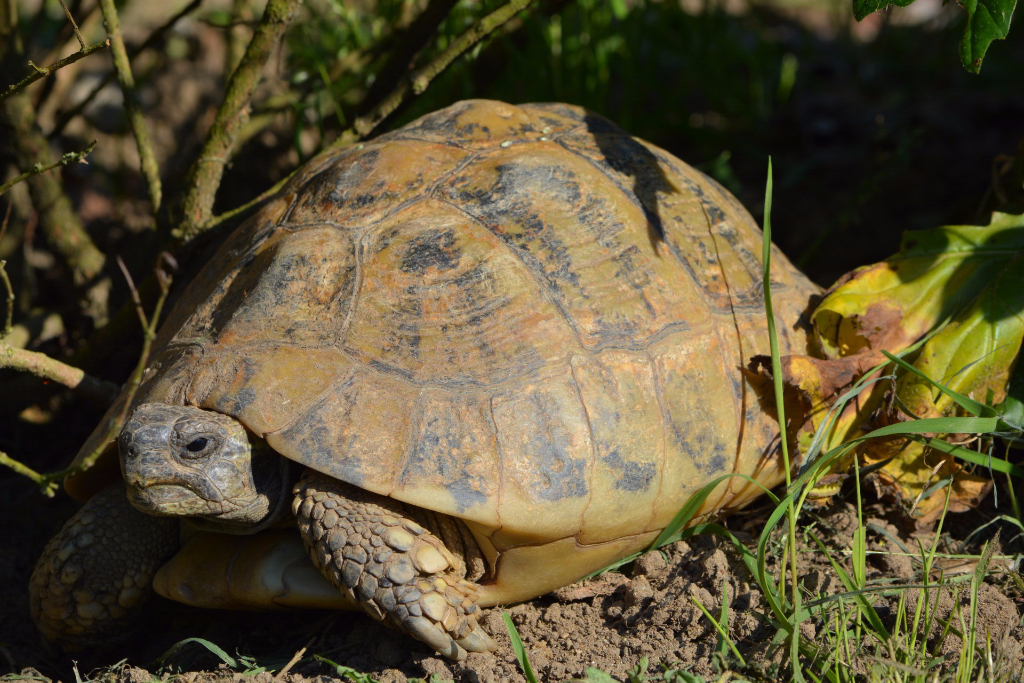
<point>432,249</point>
<point>635,476</point>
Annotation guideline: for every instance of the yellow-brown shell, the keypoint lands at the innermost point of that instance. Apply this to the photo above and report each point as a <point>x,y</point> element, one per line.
<point>520,316</point>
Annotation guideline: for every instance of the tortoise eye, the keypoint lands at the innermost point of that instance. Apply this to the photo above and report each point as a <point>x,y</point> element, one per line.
<point>197,445</point>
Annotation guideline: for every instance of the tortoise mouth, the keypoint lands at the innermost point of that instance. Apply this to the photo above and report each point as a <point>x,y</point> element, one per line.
<point>168,498</point>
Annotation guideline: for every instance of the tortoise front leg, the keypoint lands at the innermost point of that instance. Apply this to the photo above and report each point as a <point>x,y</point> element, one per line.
<point>94,575</point>
<point>395,570</point>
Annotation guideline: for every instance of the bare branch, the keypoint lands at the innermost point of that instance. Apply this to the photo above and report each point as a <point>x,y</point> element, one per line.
<point>38,73</point>
<point>416,82</point>
<point>150,170</point>
<point>41,365</point>
<point>49,488</point>
<point>150,41</point>
<point>40,168</point>
<point>206,173</point>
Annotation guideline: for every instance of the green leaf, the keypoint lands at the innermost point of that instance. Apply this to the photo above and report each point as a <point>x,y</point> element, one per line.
<point>862,8</point>
<point>935,277</point>
<point>988,20</point>
<point>598,676</point>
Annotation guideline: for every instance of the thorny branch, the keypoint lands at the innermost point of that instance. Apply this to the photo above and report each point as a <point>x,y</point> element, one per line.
<point>40,363</point>
<point>207,171</point>
<point>42,72</point>
<point>150,170</point>
<point>40,168</point>
<point>153,38</point>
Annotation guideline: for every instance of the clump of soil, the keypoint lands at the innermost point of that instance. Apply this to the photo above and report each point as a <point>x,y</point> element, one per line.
<point>608,623</point>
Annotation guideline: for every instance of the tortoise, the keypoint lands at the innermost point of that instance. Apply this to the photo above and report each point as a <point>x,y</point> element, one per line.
<point>472,361</point>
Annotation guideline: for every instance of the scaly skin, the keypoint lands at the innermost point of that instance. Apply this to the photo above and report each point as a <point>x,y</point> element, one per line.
<point>95,574</point>
<point>397,571</point>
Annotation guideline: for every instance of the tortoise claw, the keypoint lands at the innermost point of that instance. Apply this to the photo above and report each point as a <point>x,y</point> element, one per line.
<point>477,641</point>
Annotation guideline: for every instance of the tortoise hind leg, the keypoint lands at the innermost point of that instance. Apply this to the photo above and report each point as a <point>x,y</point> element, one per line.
<point>397,571</point>
<point>96,573</point>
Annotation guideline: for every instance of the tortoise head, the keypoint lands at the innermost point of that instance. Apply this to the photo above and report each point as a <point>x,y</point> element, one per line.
<point>188,462</point>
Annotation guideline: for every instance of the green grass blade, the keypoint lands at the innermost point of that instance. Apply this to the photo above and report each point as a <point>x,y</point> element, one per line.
<point>722,634</point>
<point>686,513</point>
<point>214,649</point>
<point>969,404</point>
<point>865,605</point>
<point>518,649</point>
<point>976,458</point>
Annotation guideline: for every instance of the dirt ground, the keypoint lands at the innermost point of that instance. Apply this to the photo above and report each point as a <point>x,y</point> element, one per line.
<point>609,623</point>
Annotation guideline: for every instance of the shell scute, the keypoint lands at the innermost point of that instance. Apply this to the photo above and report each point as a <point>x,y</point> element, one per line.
<point>453,465</point>
<point>265,386</point>
<point>358,432</point>
<point>583,235</point>
<point>373,182</point>
<point>297,289</point>
<point>547,454</point>
<point>618,390</point>
<point>442,301</point>
<point>471,124</point>
<point>699,395</point>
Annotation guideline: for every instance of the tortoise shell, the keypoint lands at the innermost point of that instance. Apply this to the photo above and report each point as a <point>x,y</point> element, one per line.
<point>517,315</point>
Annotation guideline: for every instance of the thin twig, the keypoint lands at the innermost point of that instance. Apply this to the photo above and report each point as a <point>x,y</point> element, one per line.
<point>279,676</point>
<point>78,34</point>
<point>150,170</point>
<point>407,46</point>
<point>38,73</point>
<point>116,422</point>
<point>40,168</point>
<point>50,369</point>
<point>206,173</point>
<point>416,82</point>
<point>134,292</point>
<point>153,38</point>
<point>265,195</point>
<point>9,320</point>
<point>57,217</point>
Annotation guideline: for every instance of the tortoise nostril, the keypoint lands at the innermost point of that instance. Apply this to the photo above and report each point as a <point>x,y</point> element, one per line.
<point>133,450</point>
